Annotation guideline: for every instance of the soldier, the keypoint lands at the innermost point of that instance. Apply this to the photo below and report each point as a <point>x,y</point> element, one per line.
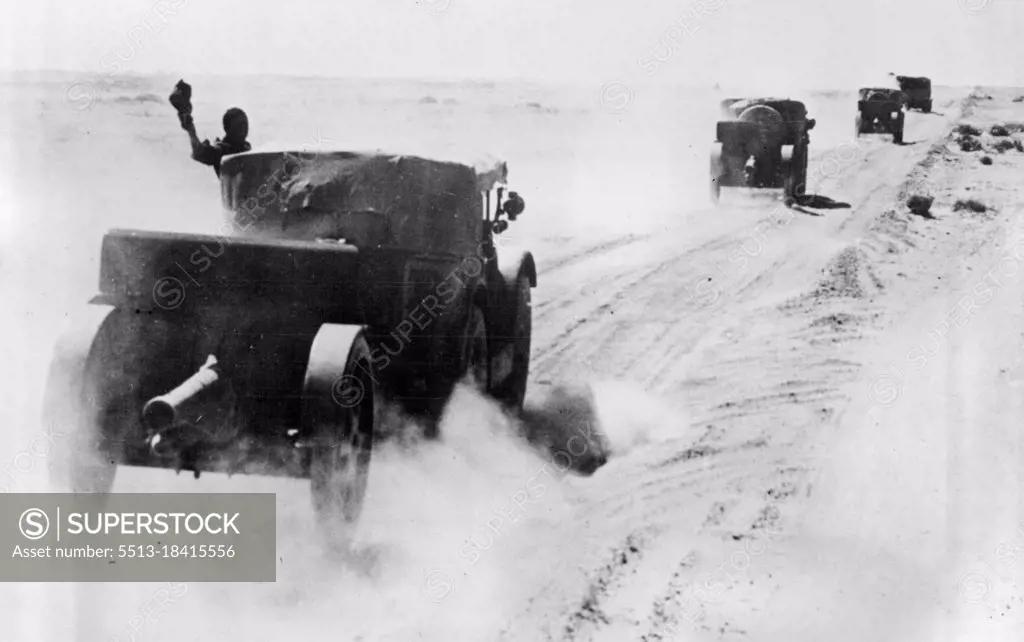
<point>236,129</point>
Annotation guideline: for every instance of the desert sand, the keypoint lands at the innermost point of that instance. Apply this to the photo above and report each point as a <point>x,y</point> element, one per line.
<point>812,435</point>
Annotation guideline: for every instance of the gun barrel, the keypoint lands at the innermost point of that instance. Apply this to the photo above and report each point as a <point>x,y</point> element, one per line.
<point>165,410</point>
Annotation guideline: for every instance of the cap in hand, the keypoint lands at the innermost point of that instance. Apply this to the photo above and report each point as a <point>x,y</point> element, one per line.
<point>181,98</point>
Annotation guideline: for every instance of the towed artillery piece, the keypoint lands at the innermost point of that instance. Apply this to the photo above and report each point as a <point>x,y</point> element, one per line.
<point>341,281</point>
<point>918,90</point>
<point>881,111</point>
<point>761,143</point>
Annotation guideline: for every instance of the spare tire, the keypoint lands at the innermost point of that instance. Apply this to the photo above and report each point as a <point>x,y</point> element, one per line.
<point>773,127</point>
<point>876,96</point>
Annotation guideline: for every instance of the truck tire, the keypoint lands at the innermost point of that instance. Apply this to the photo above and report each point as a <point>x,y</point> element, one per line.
<point>475,355</point>
<point>512,392</point>
<point>340,414</point>
<point>793,172</point>
<point>84,397</point>
<point>716,173</point>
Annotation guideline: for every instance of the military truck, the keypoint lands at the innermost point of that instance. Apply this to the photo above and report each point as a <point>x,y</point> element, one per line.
<point>338,281</point>
<point>918,90</point>
<point>881,111</point>
<point>761,143</point>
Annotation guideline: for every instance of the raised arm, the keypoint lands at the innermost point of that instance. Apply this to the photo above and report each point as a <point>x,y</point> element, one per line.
<point>202,151</point>
<point>189,127</point>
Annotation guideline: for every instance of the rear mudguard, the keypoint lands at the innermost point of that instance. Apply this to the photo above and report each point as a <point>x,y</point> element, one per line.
<point>327,386</point>
<point>513,262</point>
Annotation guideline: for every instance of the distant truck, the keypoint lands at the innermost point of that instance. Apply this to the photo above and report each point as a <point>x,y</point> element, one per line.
<point>761,143</point>
<point>881,111</point>
<point>918,90</point>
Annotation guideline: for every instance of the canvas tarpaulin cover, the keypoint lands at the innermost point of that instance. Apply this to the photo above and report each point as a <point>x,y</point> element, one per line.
<point>369,199</point>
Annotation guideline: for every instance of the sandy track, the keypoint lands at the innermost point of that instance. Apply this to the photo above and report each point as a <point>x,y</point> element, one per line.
<point>922,484</point>
<point>906,498</point>
<point>658,328</point>
<point>657,294</point>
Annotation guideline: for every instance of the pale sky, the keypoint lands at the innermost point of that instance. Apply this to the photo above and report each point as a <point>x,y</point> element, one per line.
<point>809,43</point>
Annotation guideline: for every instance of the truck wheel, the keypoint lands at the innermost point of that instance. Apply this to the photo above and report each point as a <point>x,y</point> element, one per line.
<point>476,362</point>
<point>926,107</point>
<point>860,125</point>
<point>340,411</point>
<point>793,167</point>
<point>84,397</point>
<point>716,173</point>
<point>796,180</point>
<point>463,356</point>
<point>512,392</point>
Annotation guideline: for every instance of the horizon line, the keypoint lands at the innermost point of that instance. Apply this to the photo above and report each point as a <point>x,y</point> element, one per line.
<point>444,79</point>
